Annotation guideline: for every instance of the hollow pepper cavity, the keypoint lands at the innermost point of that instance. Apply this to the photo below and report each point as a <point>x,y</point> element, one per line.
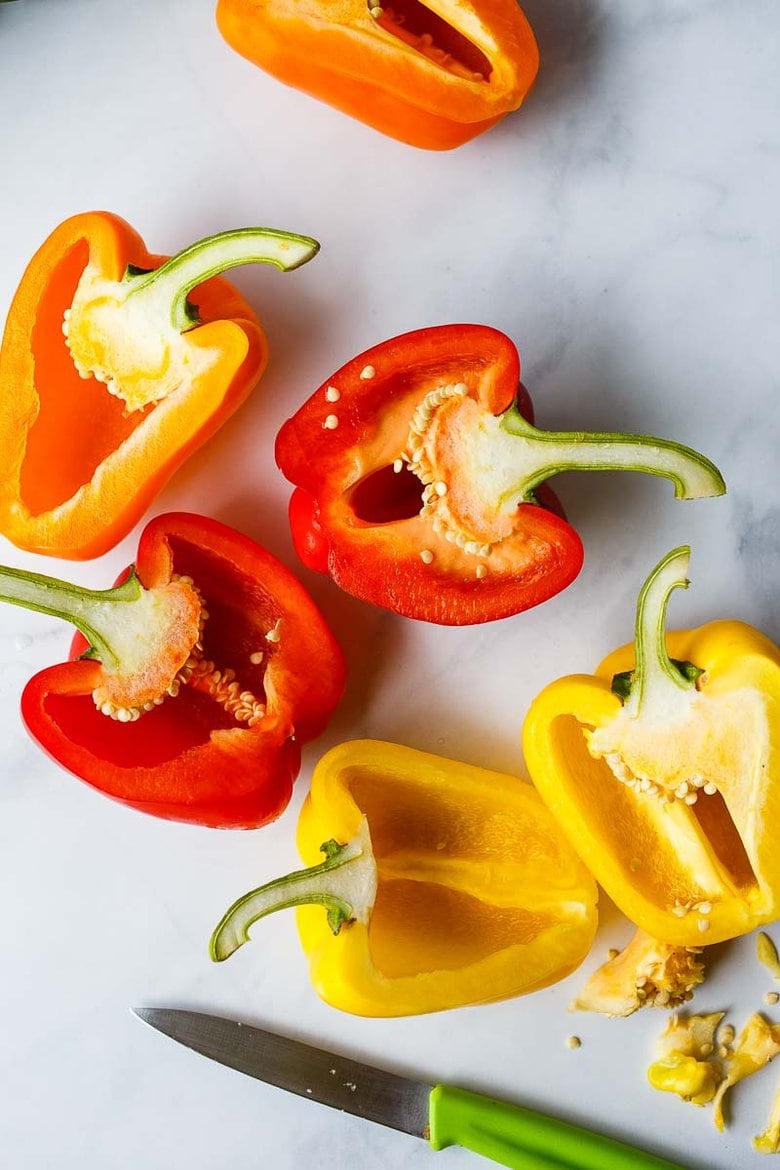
<point>443,884</point>
<point>432,75</point>
<point>110,376</point>
<point>194,680</point>
<point>420,479</point>
<point>664,770</point>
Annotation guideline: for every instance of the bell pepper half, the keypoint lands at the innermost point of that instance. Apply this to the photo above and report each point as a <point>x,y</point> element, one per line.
<point>195,680</point>
<point>432,75</point>
<point>110,377</point>
<point>664,771</point>
<point>443,884</point>
<point>420,479</point>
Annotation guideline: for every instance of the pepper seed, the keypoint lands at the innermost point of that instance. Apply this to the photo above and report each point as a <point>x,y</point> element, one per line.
<point>274,635</point>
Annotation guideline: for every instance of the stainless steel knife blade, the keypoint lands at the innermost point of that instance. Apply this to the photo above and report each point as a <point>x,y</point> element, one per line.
<point>443,1115</point>
<point>348,1085</point>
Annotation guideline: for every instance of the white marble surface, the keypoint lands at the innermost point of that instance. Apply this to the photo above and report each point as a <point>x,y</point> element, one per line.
<point>623,230</point>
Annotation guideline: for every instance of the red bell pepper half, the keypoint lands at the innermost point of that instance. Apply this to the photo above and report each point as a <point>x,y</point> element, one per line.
<point>420,479</point>
<point>196,678</point>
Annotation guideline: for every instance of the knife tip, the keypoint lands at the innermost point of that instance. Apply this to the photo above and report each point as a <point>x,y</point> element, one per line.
<point>144,1014</point>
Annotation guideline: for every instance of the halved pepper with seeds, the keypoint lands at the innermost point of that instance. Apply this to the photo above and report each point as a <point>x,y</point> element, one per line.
<point>195,680</point>
<point>111,377</point>
<point>420,479</point>
<point>431,74</point>
<point>664,771</point>
<point>443,884</point>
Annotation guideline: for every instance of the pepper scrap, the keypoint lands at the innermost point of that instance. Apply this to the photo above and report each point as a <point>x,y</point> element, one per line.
<point>196,679</point>
<point>444,884</point>
<point>768,1142</point>
<point>647,973</point>
<point>766,953</point>
<point>431,74</point>
<point>757,1045</point>
<point>684,1063</point>
<point>420,479</point>
<point>94,423</point>
<point>663,770</point>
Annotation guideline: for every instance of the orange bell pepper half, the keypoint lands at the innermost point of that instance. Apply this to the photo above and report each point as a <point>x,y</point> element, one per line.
<point>110,377</point>
<point>433,75</point>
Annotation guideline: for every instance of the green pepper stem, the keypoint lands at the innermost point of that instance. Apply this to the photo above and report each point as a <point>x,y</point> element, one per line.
<point>93,611</point>
<point>344,884</point>
<point>169,285</point>
<point>656,679</point>
<point>542,454</point>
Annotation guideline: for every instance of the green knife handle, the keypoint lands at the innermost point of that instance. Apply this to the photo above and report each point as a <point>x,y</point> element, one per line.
<point>523,1140</point>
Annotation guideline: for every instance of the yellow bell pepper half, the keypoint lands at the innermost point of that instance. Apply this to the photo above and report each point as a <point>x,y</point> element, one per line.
<point>443,885</point>
<point>664,771</point>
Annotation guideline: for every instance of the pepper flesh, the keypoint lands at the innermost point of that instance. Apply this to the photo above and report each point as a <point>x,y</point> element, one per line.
<point>757,1045</point>
<point>477,897</point>
<point>420,479</point>
<point>110,378</point>
<point>674,814</point>
<point>647,973</point>
<point>684,1065</point>
<point>433,75</point>
<point>768,1142</point>
<point>219,743</point>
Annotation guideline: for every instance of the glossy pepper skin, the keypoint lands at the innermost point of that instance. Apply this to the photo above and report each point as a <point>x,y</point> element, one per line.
<point>194,757</point>
<point>397,497</point>
<point>432,75</point>
<point>469,894</point>
<point>680,828</point>
<point>80,463</point>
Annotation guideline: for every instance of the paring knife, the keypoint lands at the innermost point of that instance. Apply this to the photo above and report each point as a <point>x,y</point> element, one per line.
<point>444,1116</point>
